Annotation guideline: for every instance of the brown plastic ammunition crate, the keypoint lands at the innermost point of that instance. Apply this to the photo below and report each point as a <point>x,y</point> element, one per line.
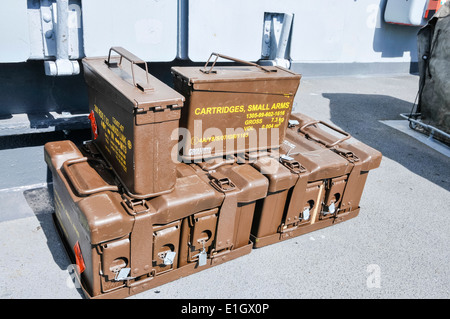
<point>297,192</point>
<point>242,186</point>
<point>311,186</point>
<point>233,109</point>
<point>123,246</point>
<point>133,115</point>
<point>362,157</point>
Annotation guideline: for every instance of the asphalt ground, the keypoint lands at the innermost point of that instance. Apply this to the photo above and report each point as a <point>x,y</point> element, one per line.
<point>398,246</point>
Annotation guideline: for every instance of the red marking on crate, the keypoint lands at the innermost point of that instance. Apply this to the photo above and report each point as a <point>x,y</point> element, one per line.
<point>79,257</point>
<point>93,124</point>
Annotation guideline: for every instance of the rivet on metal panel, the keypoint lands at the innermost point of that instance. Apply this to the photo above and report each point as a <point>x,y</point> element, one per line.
<point>48,43</point>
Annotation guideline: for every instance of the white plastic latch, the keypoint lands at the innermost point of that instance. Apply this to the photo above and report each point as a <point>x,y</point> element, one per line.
<point>122,274</point>
<point>306,214</point>
<point>169,258</point>
<point>331,208</point>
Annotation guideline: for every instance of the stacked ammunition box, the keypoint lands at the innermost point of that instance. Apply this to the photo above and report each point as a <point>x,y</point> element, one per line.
<point>175,181</point>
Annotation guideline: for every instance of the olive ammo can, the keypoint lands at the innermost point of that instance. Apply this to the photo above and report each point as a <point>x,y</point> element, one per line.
<point>133,116</point>
<point>233,109</point>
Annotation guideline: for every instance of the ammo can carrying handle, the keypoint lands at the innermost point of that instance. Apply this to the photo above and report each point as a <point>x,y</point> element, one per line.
<point>133,60</point>
<point>346,135</point>
<point>75,182</point>
<point>204,70</point>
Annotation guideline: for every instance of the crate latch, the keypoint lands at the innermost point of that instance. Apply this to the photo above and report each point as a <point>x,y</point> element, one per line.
<point>291,164</point>
<point>227,213</point>
<point>134,207</point>
<point>293,123</point>
<point>348,155</point>
<point>202,256</point>
<point>221,183</point>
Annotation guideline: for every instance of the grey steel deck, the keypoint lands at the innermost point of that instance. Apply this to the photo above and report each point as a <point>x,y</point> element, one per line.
<point>398,247</point>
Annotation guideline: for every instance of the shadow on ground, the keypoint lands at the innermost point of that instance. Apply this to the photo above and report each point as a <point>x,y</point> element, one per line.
<point>40,200</point>
<point>360,115</point>
<point>39,139</point>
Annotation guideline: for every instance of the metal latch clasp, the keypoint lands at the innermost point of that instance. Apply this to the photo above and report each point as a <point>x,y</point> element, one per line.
<point>292,123</point>
<point>292,164</point>
<point>223,184</point>
<point>122,274</point>
<point>202,256</point>
<point>167,257</point>
<point>348,155</point>
<point>135,207</point>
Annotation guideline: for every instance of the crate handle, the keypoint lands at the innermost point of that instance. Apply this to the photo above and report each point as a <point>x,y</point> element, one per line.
<point>204,70</point>
<point>215,165</point>
<point>346,135</point>
<point>74,180</point>
<point>133,60</point>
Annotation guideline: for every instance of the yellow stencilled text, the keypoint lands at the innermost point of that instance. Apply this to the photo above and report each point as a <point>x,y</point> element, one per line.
<point>115,139</point>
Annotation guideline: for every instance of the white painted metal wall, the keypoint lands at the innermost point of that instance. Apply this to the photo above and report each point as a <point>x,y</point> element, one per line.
<point>14,33</point>
<point>327,31</point>
<point>146,28</point>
